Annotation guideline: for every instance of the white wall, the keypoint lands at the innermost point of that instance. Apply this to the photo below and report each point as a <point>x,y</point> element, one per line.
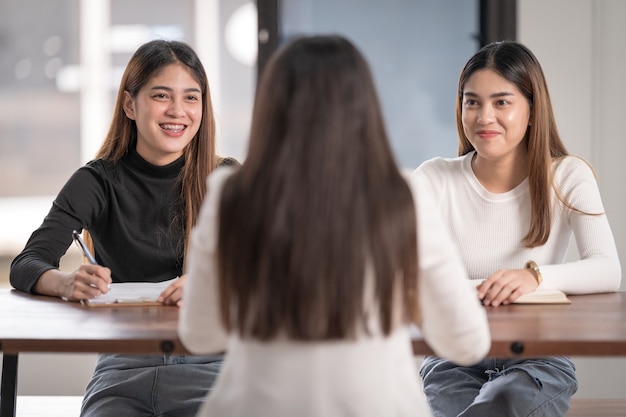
<point>54,373</point>
<point>581,45</point>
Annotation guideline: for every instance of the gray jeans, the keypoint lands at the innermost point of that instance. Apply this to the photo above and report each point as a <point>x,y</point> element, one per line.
<point>150,386</point>
<point>503,387</point>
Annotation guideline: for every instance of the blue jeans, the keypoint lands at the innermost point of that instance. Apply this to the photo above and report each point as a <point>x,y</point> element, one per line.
<point>150,386</point>
<point>503,387</point>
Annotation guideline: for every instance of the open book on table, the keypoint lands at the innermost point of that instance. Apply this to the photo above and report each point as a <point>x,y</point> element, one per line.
<point>539,296</point>
<point>128,294</point>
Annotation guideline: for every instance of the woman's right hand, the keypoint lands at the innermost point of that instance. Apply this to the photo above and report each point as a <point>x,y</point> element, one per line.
<point>87,282</point>
<point>505,286</point>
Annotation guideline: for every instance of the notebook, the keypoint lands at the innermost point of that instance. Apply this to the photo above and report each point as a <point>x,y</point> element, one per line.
<point>128,294</point>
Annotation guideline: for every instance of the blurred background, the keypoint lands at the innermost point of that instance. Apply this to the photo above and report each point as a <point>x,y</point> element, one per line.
<point>61,62</point>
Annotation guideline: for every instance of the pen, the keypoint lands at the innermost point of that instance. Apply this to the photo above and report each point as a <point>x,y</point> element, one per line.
<point>84,248</point>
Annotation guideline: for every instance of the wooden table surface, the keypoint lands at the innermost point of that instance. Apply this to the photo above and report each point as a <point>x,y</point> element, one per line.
<point>46,324</point>
<point>592,325</point>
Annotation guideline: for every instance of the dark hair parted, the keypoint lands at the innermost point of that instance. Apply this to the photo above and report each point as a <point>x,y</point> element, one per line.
<point>200,157</point>
<point>319,218</point>
<point>518,65</point>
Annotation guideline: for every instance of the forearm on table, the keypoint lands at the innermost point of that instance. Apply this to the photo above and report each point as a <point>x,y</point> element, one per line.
<point>585,276</point>
<point>49,283</point>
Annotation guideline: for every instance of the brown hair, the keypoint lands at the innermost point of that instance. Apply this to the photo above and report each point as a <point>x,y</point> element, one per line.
<point>319,205</point>
<point>518,65</point>
<point>200,157</point>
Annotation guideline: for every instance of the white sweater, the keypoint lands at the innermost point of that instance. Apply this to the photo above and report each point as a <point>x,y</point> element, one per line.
<point>489,228</point>
<point>371,376</point>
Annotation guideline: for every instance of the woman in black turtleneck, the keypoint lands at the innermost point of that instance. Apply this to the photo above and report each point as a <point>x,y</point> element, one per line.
<point>137,202</point>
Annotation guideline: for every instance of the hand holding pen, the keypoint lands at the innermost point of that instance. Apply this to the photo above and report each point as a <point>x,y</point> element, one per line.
<point>90,280</point>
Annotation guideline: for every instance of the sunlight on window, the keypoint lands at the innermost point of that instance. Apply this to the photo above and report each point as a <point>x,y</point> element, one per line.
<point>240,34</point>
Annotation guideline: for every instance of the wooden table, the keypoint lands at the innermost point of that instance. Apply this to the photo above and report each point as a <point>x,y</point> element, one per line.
<point>593,325</point>
<point>46,324</point>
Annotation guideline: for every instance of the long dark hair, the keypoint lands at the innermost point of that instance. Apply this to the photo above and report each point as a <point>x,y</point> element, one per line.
<point>518,65</point>
<point>319,212</point>
<point>200,157</point>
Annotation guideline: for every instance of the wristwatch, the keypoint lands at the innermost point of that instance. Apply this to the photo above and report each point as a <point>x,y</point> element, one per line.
<point>532,265</point>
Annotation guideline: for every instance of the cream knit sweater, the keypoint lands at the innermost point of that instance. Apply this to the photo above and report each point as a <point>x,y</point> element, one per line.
<point>489,228</point>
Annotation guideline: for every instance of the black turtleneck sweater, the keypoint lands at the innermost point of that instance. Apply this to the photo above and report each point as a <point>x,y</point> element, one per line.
<point>132,210</point>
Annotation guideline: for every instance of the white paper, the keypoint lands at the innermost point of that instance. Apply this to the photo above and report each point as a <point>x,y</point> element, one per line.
<point>132,292</point>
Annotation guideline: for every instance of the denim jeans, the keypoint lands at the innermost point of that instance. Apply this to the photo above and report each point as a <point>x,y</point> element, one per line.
<point>503,387</point>
<point>150,386</point>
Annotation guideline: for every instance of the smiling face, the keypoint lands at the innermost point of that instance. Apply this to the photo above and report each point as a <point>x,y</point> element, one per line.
<point>167,111</point>
<point>495,116</point>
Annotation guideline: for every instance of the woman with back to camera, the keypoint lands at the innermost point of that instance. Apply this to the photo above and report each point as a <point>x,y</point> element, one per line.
<point>138,200</point>
<point>513,199</point>
<point>310,261</point>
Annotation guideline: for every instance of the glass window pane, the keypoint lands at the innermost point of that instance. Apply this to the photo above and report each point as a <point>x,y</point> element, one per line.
<point>39,117</point>
<point>416,49</point>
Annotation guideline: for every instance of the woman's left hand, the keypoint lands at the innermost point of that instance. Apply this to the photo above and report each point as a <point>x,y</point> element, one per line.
<point>173,294</point>
<point>506,286</point>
